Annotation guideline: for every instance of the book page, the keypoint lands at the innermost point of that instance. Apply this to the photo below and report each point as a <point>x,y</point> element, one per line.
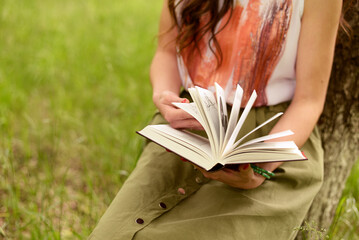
<point>255,129</point>
<point>261,156</point>
<point>270,146</point>
<point>233,117</point>
<point>196,99</point>
<point>208,104</point>
<point>222,113</point>
<point>268,137</point>
<point>190,146</point>
<point>200,143</point>
<point>240,122</point>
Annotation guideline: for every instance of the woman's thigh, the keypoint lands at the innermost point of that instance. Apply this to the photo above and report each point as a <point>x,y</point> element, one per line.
<point>272,211</point>
<point>165,198</point>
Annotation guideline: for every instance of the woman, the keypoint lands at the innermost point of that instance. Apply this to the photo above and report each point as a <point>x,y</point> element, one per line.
<point>283,49</point>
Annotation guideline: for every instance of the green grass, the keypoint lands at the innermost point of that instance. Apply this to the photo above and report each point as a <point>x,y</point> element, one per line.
<point>346,222</point>
<point>74,88</point>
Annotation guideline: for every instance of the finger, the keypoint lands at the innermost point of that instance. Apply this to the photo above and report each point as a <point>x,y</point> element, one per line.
<point>214,176</point>
<point>245,171</point>
<point>187,124</point>
<point>238,179</point>
<point>233,178</point>
<point>244,167</point>
<point>170,98</point>
<point>175,113</point>
<point>172,115</point>
<point>217,175</point>
<point>185,100</point>
<point>230,171</point>
<point>181,114</point>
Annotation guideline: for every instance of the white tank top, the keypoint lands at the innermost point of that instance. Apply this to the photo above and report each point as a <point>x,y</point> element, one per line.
<point>259,46</point>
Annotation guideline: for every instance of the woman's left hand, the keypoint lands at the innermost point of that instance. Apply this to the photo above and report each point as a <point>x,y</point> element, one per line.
<point>243,178</point>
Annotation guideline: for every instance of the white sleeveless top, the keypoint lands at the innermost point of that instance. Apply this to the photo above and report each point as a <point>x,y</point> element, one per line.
<point>259,47</point>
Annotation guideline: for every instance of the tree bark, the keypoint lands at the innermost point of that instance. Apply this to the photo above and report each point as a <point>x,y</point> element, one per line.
<point>339,124</point>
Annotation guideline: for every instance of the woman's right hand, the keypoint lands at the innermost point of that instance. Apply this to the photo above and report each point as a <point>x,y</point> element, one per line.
<point>177,118</point>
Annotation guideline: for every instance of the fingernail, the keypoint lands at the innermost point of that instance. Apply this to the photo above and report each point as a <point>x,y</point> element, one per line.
<point>183,159</point>
<point>245,166</point>
<point>185,100</point>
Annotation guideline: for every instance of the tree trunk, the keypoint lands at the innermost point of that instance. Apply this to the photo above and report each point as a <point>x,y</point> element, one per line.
<point>339,125</point>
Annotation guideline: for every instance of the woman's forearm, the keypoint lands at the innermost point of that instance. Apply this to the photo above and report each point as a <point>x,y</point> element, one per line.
<point>164,73</point>
<point>300,117</point>
<point>166,85</point>
<point>165,79</point>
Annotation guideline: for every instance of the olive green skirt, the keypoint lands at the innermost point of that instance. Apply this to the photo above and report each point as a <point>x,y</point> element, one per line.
<point>166,198</point>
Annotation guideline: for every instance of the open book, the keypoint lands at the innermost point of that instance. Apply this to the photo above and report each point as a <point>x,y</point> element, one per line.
<point>222,147</point>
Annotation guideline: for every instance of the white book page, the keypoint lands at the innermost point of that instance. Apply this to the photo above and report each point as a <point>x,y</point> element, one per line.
<point>222,113</point>
<point>200,143</point>
<point>208,104</point>
<point>196,99</point>
<point>271,146</point>
<point>265,156</point>
<point>233,118</point>
<point>183,148</point>
<point>240,123</point>
<point>268,137</point>
<point>255,129</point>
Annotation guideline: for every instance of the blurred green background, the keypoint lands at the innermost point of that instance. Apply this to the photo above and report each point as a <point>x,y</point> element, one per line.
<point>74,88</point>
